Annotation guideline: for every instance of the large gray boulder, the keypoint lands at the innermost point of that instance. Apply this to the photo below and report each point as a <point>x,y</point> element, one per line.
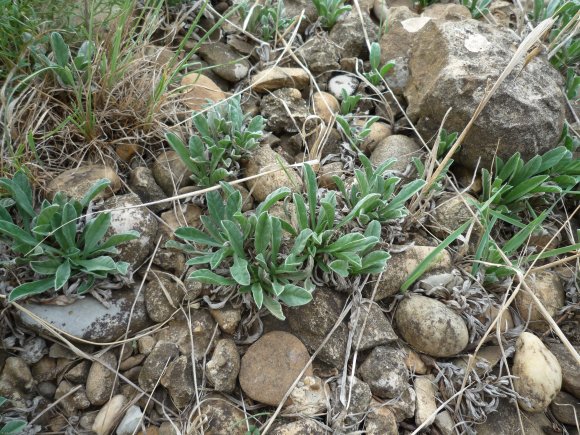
<point>451,66</point>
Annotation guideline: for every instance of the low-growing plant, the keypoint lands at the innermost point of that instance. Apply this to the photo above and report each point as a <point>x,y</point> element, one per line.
<point>478,8</point>
<point>225,135</point>
<point>54,242</point>
<point>348,103</point>
<point>566,13</point>
<point>250,252</point>
<point>11,427</point>
<point>330,10</point>
<point>572,84</point>
<point>68,70</point>
<point>377,72</point>
<point>515,181</point>
<point>373,181</point>
<point>264,20</point>
<point>355,134</point>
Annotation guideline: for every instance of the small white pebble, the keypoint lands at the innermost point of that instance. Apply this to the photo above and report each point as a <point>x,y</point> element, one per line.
<point>342,82</point>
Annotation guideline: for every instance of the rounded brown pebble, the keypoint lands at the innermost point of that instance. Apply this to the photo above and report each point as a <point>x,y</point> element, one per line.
<point>271,365</point>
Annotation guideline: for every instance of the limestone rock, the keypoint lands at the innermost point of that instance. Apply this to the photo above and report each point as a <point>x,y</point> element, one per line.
<point>139,219</point>
<point>314,321</point>
<point>566,408</point>
<point>143,184</point>
<point>303,426</point>
<point>397,146</point>
<point>452,64</point>
<point>548,289</point>
<point>431,327</point>
<point>278,77</point>
<point>348,34</point>
<point>88,319</point>
<point>381,421</point>
<point>109,415</point>
<point>325,105</point>
<point>198,89</point>
<point>285,110</point>
<point>131,421</point>
<point>226,62</point>
<point>506,421</point>
<point>228,318</point>
<point>309,397</point>
<point>265,159</point>
<point>163,353</point>
<point>76,182</point>
<point>426,405</point>
<point>451,211</point>
<point>538,373</point>
<point>379,132</point>
<point>320,54</point>
<point>570,369</point>
<point>377,330</point>
<point>223,368</point>
<point>198,332</point>
<point>400,267</point>
<point>163,296</point>
<point>447,12</point>
<point>221,417</point>
<point>385,372</point>
<point>340,83</point>
<point>74,402</point>
<point>271,365</point>
<point>170,172</point>
<point>178,379</point>
<point>100,379</point>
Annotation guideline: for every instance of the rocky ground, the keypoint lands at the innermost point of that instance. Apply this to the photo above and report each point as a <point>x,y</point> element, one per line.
<point>154,352</point>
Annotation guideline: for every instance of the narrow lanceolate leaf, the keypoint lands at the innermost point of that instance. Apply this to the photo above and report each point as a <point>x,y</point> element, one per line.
<point>521,190</point>
<point>424,265</point>
<point>181,150</point>
<point>30,289</point>
<point>13,427</point>
<point>239,271</point>
<point>95,189</point>
<point>114,240</point>
<point>208,277</point>
<point>103,263</point>
<point>294,296</point>
<point>273,198</point>
<point>17,233</point>
<point>69,225</point>
<point>62,275</point>
<point>312,190</point>
<point>60,49</point>
<point>194,235</point>
<point>257,294</point>
<point>235,237</point>
<point>263,232</point>
<point>95,230</point>
<point>274,307</point>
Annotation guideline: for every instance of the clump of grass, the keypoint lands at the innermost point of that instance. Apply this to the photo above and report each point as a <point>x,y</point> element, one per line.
<point>264,20</point>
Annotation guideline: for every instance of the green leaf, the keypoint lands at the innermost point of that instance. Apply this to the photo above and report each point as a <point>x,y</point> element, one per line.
<point>95,230</point>
<point>374,262</point>
<point>258,294</point>
<point>294,296</point>
<point>46,267</point>
<point>301,213</point>
<point>103,263</point>
<point>272,199</point>
<point>60,49</point>
<point>13,427</point>
<point>31,289</point>
<point>208,277</point>
<point>194,235</point>
<point>3,400</point>
<point>274,307</point>
<point>62,275</point>
<point>235,237</point>
<point>95,189</point>
<point>239,271</point>
<point>424,265</point>
<point>340,267</point>
<point>521,190</point>
<point>263,232</point>
<point>15,232</point>
<point>116,239</point>
<point>179,147</point>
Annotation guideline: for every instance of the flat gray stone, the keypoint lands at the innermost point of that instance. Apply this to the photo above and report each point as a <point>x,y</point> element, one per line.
<point>88,319</point>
